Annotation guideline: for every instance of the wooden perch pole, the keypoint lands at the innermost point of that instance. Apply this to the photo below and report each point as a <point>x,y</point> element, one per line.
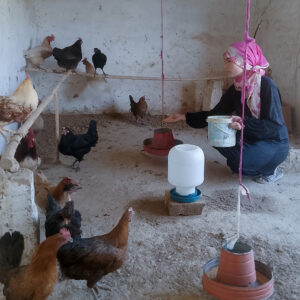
<point>56,125</point>
<point>8,161</point>
<point>103,77</point>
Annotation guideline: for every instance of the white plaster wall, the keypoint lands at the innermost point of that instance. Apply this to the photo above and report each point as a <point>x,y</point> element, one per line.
<point>16,34</point>
<point>128,32</point>
<point>279,37</point>
<point>17,31</point>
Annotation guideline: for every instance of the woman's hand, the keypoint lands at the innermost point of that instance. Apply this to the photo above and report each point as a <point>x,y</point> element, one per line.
<point>236,123</point>
<point>174,118</point>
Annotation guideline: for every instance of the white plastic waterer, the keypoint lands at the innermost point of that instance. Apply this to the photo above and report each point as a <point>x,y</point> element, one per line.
<point>185,172</point>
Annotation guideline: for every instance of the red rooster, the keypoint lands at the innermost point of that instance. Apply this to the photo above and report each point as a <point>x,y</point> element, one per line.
<point>26,154</point>
<point>18,106</point>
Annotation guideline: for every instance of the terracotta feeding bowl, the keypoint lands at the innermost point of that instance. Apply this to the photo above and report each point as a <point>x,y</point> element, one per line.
<point>235,275</point>
<point>161,143</point>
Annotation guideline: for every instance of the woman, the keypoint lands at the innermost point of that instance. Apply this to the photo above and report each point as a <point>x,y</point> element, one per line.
<point>266,143</point>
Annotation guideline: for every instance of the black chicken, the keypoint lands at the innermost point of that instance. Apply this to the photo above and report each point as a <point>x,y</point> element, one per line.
<point>78,145</point>
<point>69,57</point>
<point>57,218</point>
<point>99,60</point>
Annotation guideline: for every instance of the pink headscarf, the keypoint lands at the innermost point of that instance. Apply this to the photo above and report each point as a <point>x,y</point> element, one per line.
<point>256,63</point>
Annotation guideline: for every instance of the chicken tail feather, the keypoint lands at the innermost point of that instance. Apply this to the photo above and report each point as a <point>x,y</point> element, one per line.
<point>132,102</point>
<point>92,131</point>
<point>51,206</point>
<point>11,250</point>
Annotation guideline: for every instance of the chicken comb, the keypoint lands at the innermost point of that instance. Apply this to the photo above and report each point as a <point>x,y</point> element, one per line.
<point>80,39</point>
<point>65,232</point>
<point>84,59</point>
<point>52,37</point>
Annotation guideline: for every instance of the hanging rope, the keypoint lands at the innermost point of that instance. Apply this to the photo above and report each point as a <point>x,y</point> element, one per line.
<point>162,63</point>
<point>242,188</point>
<point>247,40</point>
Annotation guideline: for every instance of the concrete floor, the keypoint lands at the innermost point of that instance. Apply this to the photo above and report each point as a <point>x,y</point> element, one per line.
<point>166,254</point>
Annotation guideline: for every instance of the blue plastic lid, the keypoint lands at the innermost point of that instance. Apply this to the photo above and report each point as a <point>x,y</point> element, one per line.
<point>185,199</point>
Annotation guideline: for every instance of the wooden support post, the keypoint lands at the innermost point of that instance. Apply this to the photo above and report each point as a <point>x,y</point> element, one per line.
<point>56,125</point>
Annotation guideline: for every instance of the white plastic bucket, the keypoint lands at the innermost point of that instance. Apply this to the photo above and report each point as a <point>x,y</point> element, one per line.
<point>219,132</point>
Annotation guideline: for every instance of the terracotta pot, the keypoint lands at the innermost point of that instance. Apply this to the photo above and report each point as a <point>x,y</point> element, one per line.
<point>237,266</point>
<point>263,288</point>
<point>163,139</point>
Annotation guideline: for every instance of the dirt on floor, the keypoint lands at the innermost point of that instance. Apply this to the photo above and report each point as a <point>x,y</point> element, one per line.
<point>166,254</point>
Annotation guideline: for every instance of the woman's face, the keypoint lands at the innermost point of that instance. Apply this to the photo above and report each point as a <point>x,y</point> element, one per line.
<point>231,69</point>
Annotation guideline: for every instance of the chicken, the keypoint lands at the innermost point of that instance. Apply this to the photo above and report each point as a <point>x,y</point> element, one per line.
<point>69,57</point>
<point>99,60</point>
<point>36,280</point>
<point>139,109</point>
<point>18,106</point>
<point>38,54</point>
<point>57,218</point>
<point>61,192</point>
<point>89,69</point>
<point>26,153</point>
<point>78,145</point>
<point>91,258</point>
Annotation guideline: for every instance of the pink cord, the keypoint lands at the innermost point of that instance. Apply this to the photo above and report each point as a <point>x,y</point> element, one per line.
<point>162,63</point>
<point>247,40</point>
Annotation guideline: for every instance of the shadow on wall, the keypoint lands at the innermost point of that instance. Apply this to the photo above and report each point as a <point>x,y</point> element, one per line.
<point>188,97</point>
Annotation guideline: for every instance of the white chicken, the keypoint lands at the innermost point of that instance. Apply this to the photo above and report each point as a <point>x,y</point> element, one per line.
<point>18,106</point>
<point>39,53</point>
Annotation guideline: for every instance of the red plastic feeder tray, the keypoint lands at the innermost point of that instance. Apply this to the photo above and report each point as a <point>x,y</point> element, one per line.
<point>161,143</point>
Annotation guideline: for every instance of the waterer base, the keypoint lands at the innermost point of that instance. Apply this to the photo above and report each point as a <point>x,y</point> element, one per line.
<point>183,209</point>
<point>185,199</point>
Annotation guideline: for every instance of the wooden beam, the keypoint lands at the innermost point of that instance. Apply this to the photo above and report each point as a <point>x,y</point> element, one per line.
<point>56,107</point>
<point>103,77</point>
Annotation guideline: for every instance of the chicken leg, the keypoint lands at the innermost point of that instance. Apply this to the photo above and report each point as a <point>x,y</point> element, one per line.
<point>75,166</point>
<point>95,290</point>
<point>96,293</point>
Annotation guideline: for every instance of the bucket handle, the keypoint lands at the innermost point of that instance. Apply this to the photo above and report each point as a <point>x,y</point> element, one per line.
<point>222,130</point>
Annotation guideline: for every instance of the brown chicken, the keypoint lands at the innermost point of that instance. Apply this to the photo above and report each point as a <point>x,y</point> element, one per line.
<point>89,68</point>
<point>18,106</point>
<point>36,280</point>
<point>38,54</point>
<point>26,154</point>
<point>91,258</point>
<point>139,109</point>
<point>60,192</point>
